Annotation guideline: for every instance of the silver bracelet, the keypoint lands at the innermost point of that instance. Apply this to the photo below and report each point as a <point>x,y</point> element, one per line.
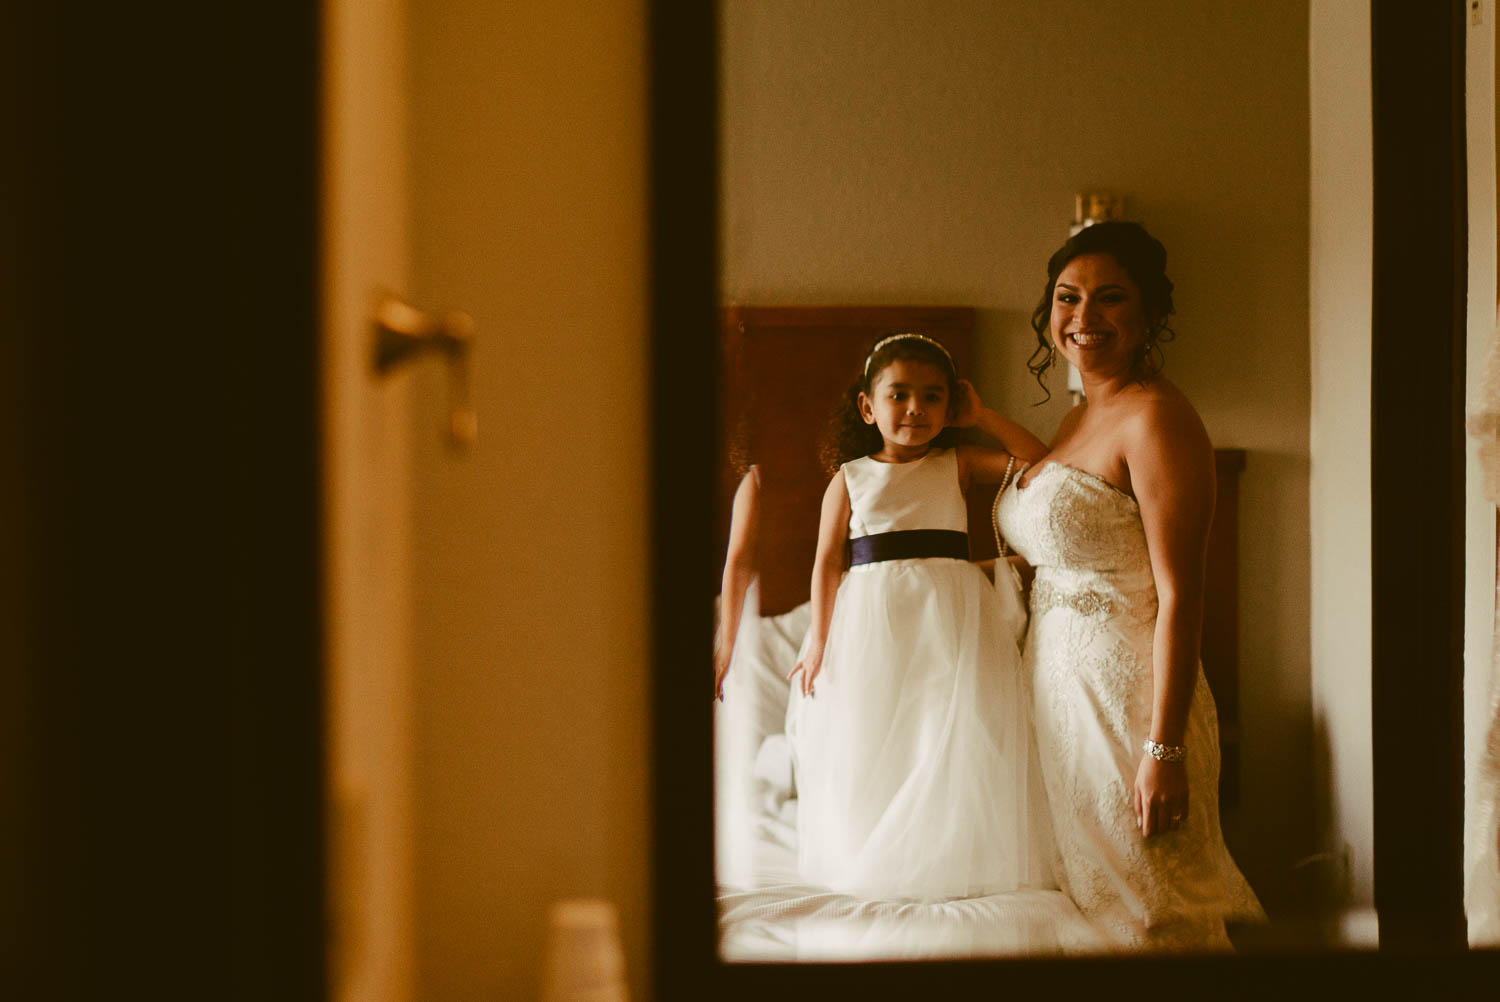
<point>1164,753</point>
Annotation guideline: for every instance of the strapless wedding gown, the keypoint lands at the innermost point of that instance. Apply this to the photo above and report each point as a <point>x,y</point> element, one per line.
<point>1088,654</point>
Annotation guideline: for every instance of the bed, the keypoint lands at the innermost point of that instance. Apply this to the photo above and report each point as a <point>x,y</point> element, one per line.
<point>785,369</point>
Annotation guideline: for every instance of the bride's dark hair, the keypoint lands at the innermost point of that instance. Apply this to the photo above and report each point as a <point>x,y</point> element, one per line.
<point>848,436</point>
<point>1144,259</point>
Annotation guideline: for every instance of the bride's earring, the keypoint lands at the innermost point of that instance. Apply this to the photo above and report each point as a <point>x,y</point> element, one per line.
<point>1149,365</point>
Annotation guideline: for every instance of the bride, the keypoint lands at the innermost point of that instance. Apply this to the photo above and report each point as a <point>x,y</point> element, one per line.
<point>1115,520</point>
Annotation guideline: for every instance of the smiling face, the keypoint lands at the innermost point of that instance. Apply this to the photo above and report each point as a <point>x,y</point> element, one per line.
<point>1098,320</point>
<point>908,401</point>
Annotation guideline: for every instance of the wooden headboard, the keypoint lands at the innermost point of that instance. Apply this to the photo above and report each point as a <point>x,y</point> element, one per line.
<point>787,367</point>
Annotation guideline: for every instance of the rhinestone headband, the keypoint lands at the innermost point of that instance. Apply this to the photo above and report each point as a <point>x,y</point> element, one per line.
<point>902,337</point>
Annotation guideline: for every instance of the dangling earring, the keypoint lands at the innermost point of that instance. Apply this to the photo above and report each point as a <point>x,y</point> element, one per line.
<point>1146,365</point>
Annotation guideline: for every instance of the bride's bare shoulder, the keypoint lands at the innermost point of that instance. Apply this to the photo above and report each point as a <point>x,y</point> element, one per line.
<point>1069,424</point>
<point>1163,417</point>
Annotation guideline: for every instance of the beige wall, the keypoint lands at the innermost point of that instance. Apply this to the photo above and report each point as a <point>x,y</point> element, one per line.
<point>1479,529</point>
<point>1340,287</point>
<point>885,151</point>
<point>528,166</point>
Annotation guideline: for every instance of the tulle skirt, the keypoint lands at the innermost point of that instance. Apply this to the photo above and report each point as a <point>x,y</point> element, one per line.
<point>915,762</point>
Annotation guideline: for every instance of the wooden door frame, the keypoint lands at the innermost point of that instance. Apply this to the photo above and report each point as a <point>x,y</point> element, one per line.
<point>1419,338</point>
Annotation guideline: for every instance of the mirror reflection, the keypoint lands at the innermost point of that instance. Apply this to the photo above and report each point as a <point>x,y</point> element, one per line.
<point>896,167</point>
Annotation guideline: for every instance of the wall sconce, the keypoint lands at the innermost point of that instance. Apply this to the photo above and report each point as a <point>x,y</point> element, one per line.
<point>1095,207</point>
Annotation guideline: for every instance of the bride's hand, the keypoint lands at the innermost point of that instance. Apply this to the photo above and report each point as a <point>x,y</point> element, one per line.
<point>809,667</point>
<point>1161,795</point>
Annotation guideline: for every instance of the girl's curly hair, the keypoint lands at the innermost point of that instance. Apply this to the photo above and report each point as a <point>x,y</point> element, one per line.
<point>848,436</point>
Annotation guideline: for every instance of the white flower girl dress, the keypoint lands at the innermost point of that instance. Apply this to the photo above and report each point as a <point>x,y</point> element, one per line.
<point>915,761</point>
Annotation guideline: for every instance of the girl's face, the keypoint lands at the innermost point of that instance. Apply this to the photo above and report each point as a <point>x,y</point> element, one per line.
<point>908,401</point>
<point>1098,321</point>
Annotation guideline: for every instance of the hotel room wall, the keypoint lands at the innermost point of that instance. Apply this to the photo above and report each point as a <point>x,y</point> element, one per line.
<point>1479,529</point>
<point>897,152</point>
<point>1339,282</point>
<point>530,732</point>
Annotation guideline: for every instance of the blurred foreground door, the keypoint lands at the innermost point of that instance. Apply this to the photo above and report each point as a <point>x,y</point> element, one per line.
<point>366,509</point>
<point>161,623</point>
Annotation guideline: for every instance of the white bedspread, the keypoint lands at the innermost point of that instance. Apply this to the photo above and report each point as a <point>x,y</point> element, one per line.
<point>781,919</point>
<point>767,914</point>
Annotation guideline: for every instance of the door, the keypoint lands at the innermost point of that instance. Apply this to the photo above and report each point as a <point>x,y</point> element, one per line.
<point>366,504</point>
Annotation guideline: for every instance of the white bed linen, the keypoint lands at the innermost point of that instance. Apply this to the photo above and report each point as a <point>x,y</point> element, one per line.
<point>766,914</point>
<point>781,919</point>
<point>751,784</point>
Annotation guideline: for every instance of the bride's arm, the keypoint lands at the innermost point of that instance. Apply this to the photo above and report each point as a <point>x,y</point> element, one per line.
<point>970,412</point>
<point>828,568</point>
<point>1171,466</point>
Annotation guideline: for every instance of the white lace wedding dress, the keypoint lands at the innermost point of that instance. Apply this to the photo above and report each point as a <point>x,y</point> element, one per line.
<point>1088,653</point>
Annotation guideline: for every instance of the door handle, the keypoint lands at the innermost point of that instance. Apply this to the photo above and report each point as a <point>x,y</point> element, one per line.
<point>402,332</point>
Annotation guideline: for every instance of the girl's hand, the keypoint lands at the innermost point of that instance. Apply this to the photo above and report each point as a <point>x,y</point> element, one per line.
<point>1024,571</point>
<point>967,406</point>
<point>809,667</point>
<point>1161,795</point>
<point>721,669</point>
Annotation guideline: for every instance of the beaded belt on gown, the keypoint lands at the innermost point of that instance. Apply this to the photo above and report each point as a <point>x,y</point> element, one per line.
<point>1086,602</point>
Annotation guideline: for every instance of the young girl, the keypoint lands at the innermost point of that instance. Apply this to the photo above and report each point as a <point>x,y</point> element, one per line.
<point>909,722</point>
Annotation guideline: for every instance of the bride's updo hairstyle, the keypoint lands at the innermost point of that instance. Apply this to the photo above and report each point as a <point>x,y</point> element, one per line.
<point>1144,259</point>
<point>848,436</point>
